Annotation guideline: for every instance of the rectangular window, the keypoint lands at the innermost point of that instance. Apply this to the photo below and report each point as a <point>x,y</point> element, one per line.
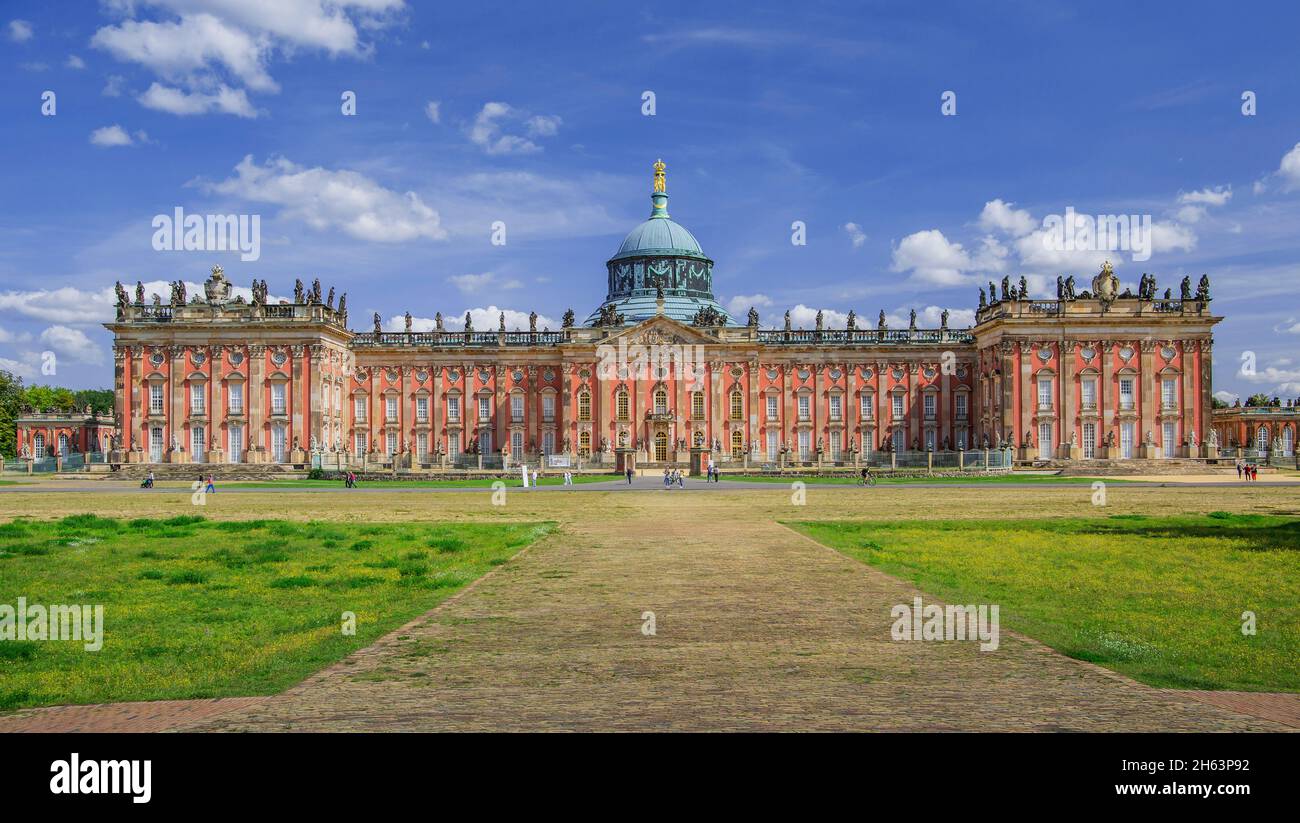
<point>1126,393</point>
<point>155,398</point>
<point>1045,445</point>
<point>927,403</point>
<point>235,397</point>
<point>1045,393</point>
<point>1089,441</point>
<point>836,406</point>
<point>771,406</point>
<point>277,444</point>
<point>453,446</point>
<point>198,444</point>
<point>1126,441</point>
<point>453,408</point>
<point>897,406</point>
<point>1169,438</point>
<point>548,442</point>
<point>485,408</point>
<point>359,409</point>
<point>868,402</point>
<point>697,405</point>
<point>277,398</point>
<point>584,406</point>
<point>773,445</point>
<point>837,444</point>
<point>961,437</point>
<point>361,442</point>
<point>235,444</point>
<point>548,408</point>
<point>338,399</point>
<point>805,445</point>
<point>929,440</point>
<point>961,406</point>
<point>1169,393</point>
<point>196,398</point>
<point>1090,394</point>
<point>805,402</point>
<point>867,437</point>
<point>422,446</point>
<point>517,408</point>
<point>390,408</point>
<point>737,406</point>
<point>390,444</point>
<point>517,445</point>
<point>422,409</point>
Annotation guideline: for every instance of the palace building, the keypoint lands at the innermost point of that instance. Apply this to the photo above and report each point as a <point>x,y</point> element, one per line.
<point>660,373</point>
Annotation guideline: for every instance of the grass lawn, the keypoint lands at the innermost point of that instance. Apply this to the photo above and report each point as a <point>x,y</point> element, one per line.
<point>1159,599</point>
<point>200,608</point>
<point>482,483</point>
<point>852,480</point>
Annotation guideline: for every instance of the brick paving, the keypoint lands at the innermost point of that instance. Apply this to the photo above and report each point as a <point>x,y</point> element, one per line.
<point>758,628</point>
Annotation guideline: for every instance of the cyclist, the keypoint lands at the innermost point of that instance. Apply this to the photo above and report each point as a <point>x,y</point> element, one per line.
<point>866,479</point>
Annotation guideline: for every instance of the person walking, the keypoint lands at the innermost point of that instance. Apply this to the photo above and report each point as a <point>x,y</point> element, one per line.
<point>667,477</point>
<point>681,480</point>
<point>148,480</point>
<point>212,487</point>
<point>1239,468</point>
<point>628,472</point>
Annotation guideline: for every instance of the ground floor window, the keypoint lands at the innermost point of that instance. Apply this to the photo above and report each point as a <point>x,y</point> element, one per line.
<point>867,437</point>
<point>156,445</point>
<point>1089,441</point>
<point>422,446</point>
<point>198,444</point>
<point>38,447</point>
<point>773,445</point>
<point>837,445</point>
<point>1261,441</point>
<point>584,445</point>
<point>737,445</point>
<point>360,442</point>
<point>63,445</point>
<point>517,445</point>
<point>1288,441</point>
<point>929,440</point>
<point>805,445</point>
<point>1169,437</point>
<point>961,439</point>
<point>453,446</point>
<point>661,447</point>
<point>900,440</point>
<point>485,442</point>
<point>1126,441</point>
<point>548,442</point>
<point>1045,441</point>
<point>390,444</point>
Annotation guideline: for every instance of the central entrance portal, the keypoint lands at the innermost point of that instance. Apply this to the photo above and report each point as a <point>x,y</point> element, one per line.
<point>661,447</point>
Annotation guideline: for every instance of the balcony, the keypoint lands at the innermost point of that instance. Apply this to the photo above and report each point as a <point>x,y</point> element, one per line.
<point>659,416</point>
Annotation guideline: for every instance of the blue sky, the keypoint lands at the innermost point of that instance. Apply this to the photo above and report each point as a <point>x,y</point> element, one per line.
<point>766,114</point>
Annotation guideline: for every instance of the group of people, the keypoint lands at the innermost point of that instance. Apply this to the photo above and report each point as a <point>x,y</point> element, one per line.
<point>1247,471</point>
<point>714,474</point>
<point>568,478</point>
<point>674,477</point>
<point>350,480</point>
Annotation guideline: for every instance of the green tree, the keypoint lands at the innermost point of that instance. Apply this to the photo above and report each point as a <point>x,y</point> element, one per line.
<point>11,400</point>
<point>1260,399</point>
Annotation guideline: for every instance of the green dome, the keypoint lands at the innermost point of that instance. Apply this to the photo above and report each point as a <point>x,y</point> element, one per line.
<point>659,235</point>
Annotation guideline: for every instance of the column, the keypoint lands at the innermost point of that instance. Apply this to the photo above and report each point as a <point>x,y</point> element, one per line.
<point>1066,413</point>
<point>253,390</point>
<point>1146,380</point>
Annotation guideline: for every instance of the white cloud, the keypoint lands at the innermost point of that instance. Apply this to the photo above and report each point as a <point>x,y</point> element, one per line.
<point>208,47</point>
<point>739,305</point>
<point>930,317</point>
<point>433,111</point>
<point>20,31</point>
<point>476,283</point>
<point>7,336</point>
<point>931,258</point>
<point>334,199</point>
<point>856,236</point>
<point>805,317</point>
<point>1225,396</point>
<point>1001,216</point>
<point>75,62</point>
<point>484,319</point>
<point>544,125</point>
<point>113,86</point>
<point>1167,237</point>
<point>486,130</point>
<point>1289,169</point>
<point>223,100</point>
<point>1217,196</point>
<point>113,135</point>
<point>25,368</point>
<point>72,343</point>
<point>80,307</point>
<point>1289,326</point>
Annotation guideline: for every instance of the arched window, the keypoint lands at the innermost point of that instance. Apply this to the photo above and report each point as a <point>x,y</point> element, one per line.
<point>621,404</point>
<point>699,439</point>
<point>63,445</point>
<point>661,401</point>
<point>737,445</point>
<point>1288,441</point>
<point>697,405</point>
<point>38,447</point>
<point>661,447</point>
<point>584,444</point>
<point>1261,441</point>
<point>584,406</point>
<point>737,406</point>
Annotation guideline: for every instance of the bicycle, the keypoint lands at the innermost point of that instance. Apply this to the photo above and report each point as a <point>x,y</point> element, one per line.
<point>867,480</point>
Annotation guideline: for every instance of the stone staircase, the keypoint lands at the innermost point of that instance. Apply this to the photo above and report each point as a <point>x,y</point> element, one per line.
<point>191,471</point>
<point>1121,468</point>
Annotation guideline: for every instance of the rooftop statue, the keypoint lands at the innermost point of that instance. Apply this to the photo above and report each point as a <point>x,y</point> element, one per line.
<point>660,183</point>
